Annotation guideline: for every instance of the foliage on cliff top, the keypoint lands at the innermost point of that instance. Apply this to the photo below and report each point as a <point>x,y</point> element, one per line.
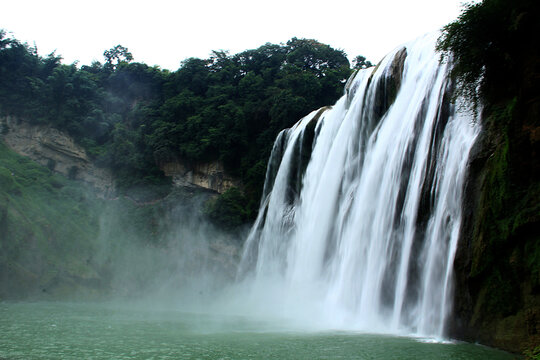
<point>489,44</point>
<point>132,117</point>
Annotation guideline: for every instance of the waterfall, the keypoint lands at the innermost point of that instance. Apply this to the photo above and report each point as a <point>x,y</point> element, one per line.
<point>361,211</point>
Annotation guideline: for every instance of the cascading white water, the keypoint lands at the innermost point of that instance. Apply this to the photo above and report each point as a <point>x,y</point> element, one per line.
<point>361,211</point>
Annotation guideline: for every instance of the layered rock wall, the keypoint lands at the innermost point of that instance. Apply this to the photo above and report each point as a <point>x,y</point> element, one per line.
<point>59,152</point>
<point>211,175</point>
<point>56,150</point>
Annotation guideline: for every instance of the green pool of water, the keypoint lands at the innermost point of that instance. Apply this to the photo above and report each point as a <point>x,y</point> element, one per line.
<point>112,331</point>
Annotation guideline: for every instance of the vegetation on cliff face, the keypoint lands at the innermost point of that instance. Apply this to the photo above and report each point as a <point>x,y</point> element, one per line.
<point>494,48</point>
<point>40,210</point>
<point>131,117</point>
<point>496,53</point>
<point>58,240</point>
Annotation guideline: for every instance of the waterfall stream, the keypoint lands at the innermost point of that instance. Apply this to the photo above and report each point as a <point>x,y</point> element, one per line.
<point>361,212</point>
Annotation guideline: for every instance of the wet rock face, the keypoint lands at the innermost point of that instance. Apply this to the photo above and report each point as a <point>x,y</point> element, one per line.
<point>389,85</point>
<point>56,150</point>
<point>211,175</point>
<point>397,71</point>
<point>497,264</point>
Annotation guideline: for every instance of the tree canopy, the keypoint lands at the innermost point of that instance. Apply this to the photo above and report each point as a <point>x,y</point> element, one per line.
<point>117,55</point>
<point>489,43</point>
<point>133,117</point>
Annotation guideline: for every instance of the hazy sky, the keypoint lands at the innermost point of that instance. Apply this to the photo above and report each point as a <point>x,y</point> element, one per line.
<point>165,32</point>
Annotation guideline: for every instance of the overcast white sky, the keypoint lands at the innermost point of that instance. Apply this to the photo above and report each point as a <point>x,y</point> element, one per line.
<point>165,32</point>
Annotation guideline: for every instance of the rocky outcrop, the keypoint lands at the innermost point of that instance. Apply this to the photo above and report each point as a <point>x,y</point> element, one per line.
<point>210,175</point>
<point>497,265</point>
<point>388,86</point>
<point>56,150</point>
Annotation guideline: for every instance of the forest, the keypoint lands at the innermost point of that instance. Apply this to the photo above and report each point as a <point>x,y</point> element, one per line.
<point>131,117</point>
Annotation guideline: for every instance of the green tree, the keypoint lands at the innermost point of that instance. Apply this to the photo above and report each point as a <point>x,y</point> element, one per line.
<point>488,45</point>
<point>117,55</point>
<point>311,55</point>
<point>360,62</point>
<point>228,210</point>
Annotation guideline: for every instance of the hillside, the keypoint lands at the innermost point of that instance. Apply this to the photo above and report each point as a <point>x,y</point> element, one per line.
<point>60,239</point>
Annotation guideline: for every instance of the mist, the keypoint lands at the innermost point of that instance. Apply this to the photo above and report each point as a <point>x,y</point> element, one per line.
<point>165,253</point>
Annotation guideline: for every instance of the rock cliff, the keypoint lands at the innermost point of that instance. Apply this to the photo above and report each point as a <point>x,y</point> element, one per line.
<point>211,175</point>
<point>56,150</point>
<point>497,266</point>
<point>59,152</point>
